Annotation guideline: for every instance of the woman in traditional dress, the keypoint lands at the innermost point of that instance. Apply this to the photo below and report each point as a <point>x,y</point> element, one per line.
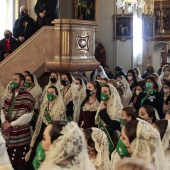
<point>52,108</point>
<point>33,87</point>
<point>65,148</point>
<point>140,139</point>
<point>90,105</point>
<point>98,148</point>
<point>70,96</point>
<point>109,113</point>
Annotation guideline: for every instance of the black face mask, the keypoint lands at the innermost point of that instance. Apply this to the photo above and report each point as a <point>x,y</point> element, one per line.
<point>53,80</point>
<point>7,36</point>
<point>22,14</point>
<point>64,82</point>
<point>89,92</point>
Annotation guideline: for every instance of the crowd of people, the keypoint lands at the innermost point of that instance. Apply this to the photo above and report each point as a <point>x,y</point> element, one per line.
<point>102,124</point>
<point>25,26</point>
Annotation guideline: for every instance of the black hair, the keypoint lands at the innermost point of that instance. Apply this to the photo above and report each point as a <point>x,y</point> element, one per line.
<point>98,93</point>
<point>57,127</point>
<point>133,75</point>
<point>31,76</point>
<point>140,84</point>
<point>69,77</point>
<point>80,80</point>
<point>150,111</point>
<point>130,111</point>
<point>130,129</point>
<point>154,81</point>
<point>55,88</point>
<point>28,72</point>
<point>162,126</point>
<point>21,76</point>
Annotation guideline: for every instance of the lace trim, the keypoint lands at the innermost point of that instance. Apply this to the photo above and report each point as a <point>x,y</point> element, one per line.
<point>91,107</point>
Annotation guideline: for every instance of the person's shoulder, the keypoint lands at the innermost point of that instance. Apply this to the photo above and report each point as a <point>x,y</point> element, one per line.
<point>31,19</point>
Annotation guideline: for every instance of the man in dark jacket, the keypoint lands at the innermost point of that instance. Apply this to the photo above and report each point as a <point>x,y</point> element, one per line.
<point>24,27</point>
<point>7,45</point>
<point>46,12</point>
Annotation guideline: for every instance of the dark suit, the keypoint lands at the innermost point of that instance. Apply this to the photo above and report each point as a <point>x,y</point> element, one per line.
<point>24,26</point>
<point>14,45</point>
<point>49,9</point>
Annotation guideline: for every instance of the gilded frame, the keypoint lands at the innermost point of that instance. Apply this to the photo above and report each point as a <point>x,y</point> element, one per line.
<point>123,27</point>
<point>81,12</point>
<point>148,26</point>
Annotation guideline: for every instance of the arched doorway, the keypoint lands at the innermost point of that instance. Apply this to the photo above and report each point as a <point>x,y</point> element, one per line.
<point>100,53</point>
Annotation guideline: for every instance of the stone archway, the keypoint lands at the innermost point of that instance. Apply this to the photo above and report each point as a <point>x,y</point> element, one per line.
<point>100,53</point>
<point>157,58</point>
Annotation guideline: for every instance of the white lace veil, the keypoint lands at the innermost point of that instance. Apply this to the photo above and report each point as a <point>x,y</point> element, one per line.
<point>5,163</point>
<point>68,152</point>
<point>162,72</point>
<point>127,91</point>
<point>114,106</point>
<point>139,78</point>
<point>166,142</point>
<point>102,161</point>
<point>147,145</point>
<point>158,79</point>
<point>102,74</point>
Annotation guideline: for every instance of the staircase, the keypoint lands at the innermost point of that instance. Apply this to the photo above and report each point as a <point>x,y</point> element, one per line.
<point>67,46</point>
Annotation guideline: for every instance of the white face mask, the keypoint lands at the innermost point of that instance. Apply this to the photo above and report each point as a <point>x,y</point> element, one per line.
<point>166,73</point>
<point>77,86</point>
<point>129,77</point>
<point>166,91</point>
<point>137,92</point>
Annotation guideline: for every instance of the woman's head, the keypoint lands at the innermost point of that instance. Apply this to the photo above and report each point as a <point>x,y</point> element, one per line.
<point>66,79</point>
<point>151,83</point>
<point>53,77</point>
<point>161,126</point>
<point>78,82</point>
<point>147,113</point>
<point>52,93</point>
<point>104,81</point>
<point>128,113</point>
<point>150,69</point>
<point>94,89</point>
<point>106,89</point>
<point>29,80</point>
<point>51,133</point>
<point>131,75</point>
<point>166,86</point>
<point>26,72</point>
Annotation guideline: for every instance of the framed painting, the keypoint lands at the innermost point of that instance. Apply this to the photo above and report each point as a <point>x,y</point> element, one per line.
<point>85,9</point>
<point>148,26</point>
<point>123,28</point>
<point>162,17</point>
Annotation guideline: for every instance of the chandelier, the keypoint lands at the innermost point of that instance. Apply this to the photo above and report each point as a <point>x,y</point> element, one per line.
<point>130,4</point>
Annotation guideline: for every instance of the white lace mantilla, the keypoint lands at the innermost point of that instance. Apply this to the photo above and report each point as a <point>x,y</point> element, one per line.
<point>68,152</point>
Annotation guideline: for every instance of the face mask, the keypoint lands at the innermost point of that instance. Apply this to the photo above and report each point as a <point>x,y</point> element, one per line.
<point>122,121</point>
<point>7,36</point>
<point>148,85</point>
<point>166,73</point>
<point>53,80</point>
<point>166,91</point>
<point>98,81</point>
<point>22,14</point>
<point>14,85</point>
<point>101,85</point>
<point>77,86</point>
<point>64,82</point>
<point>27,84</point>
<point>137,92</point>
<point>104,97</point>
<point>40,156</point>
<point>129,77</point>
<point>122,149</point>
<point>89,92</point>
<point>50,97</point>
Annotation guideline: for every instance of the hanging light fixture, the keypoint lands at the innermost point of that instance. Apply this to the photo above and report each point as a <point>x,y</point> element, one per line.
<point>129,4</point>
